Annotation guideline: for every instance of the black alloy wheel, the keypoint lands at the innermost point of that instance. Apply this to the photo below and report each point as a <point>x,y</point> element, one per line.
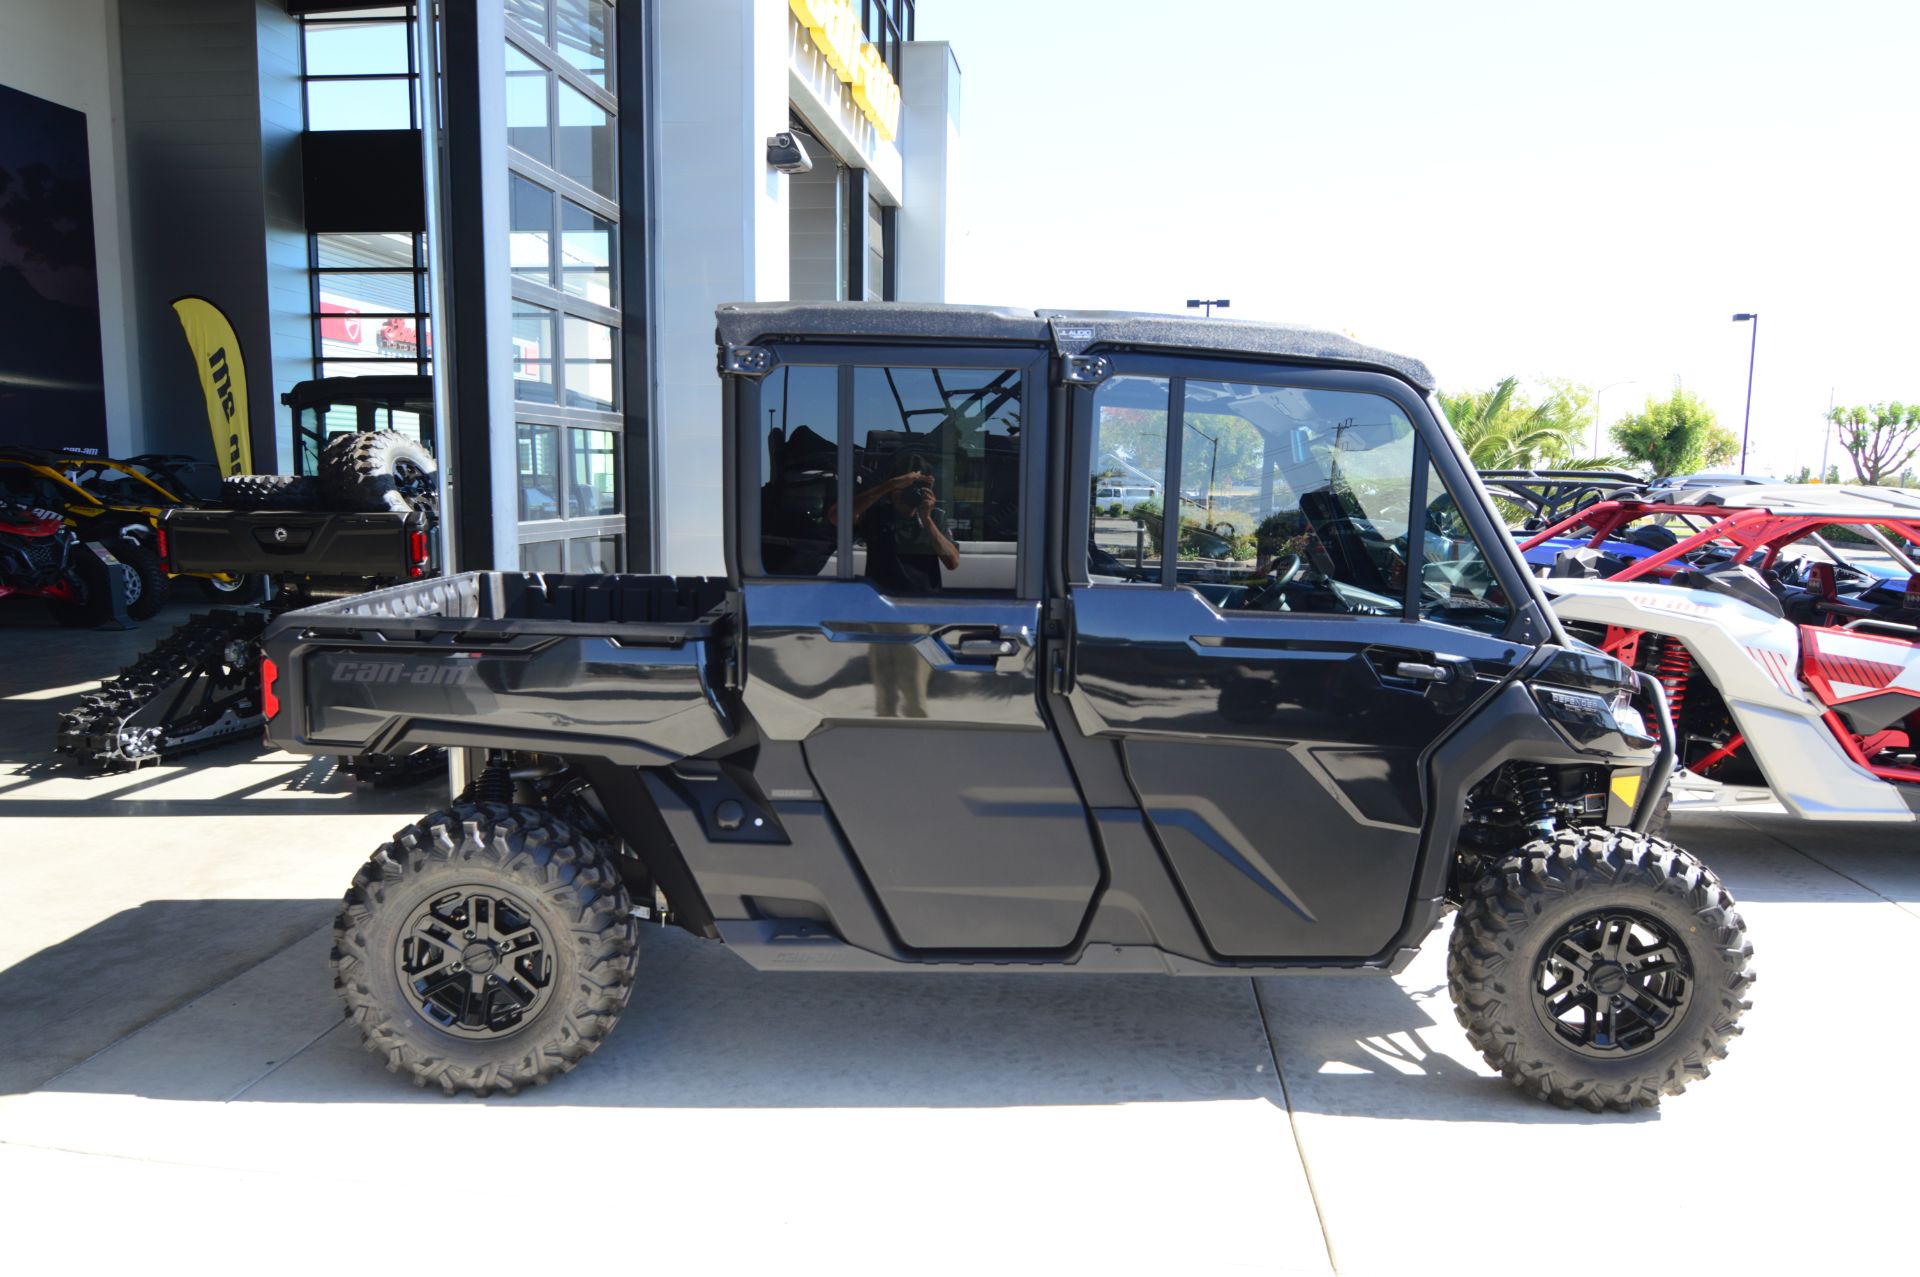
<point>474,962</point>
<point>1613,983</point>
<point>1599,968</point>
<point>486,948</point>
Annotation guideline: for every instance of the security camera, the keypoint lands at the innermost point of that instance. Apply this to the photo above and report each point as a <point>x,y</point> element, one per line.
<point>784,152</point>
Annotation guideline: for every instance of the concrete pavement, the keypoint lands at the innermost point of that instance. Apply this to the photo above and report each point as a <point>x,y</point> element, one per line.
<point>172,1060</point>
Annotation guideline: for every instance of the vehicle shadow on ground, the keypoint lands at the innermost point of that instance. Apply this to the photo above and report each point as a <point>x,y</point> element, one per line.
<point>704,1030</point>
<point>36,782</point>
<point>66,1002</point>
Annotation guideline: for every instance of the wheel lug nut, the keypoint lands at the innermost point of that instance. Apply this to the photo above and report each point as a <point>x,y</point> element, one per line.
<point>469,935</point>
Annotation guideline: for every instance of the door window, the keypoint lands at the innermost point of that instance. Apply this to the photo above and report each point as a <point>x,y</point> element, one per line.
<point>1286,499</point>
<point>799,469</point>
<point>936,478</point>
<point>1128,478</point>
<point>1457,583</point>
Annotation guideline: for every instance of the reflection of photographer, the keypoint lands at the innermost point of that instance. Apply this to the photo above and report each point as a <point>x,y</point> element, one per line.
<point>904,530</point>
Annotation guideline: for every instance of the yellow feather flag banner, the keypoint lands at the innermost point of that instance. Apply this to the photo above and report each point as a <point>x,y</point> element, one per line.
<point>223,379</point>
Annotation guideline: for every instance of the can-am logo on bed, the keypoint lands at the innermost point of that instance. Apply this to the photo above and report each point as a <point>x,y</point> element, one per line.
<point>419,675</point>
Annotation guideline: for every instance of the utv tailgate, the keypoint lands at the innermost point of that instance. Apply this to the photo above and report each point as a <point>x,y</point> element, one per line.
<point>295,542</point>
<point>630,668</point>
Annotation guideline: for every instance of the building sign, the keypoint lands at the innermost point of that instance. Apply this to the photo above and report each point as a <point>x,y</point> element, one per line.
<point>835,28</point>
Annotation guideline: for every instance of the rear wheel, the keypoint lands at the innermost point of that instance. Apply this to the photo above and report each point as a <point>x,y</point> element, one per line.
<point>146,580</point>
<point>237,591</point>
<point>486,948</point>
<point>1600,969</point>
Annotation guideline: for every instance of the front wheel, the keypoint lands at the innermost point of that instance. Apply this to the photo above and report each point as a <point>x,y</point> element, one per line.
<point>486,948</point>
<point>1600,969</point>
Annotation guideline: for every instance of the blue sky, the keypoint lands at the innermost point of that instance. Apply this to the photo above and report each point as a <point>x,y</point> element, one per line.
<point>1546,190</point>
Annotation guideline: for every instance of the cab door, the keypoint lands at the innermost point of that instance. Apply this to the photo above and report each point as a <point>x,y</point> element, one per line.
<point>1280,638</point>
<point>905,659</point>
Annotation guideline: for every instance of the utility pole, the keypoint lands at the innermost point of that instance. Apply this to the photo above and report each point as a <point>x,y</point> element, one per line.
<point>1752,346</point>
<point>1826,433</point>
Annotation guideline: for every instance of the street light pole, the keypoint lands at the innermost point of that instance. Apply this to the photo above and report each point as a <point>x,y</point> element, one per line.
<point>1596,409</point>
<point>1195,303</point>
<point>1752,346</point>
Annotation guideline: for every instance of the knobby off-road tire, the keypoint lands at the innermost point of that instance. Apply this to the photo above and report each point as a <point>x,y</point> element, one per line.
<point>1523,932</point>
<point>554,939</point>
<point>146,579</point>
<point>273,492</point>
<point>378,470</point>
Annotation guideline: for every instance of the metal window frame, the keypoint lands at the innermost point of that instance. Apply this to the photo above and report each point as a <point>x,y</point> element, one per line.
<point>551,295</point>
<point>411,74</point>
<point>422,313</point>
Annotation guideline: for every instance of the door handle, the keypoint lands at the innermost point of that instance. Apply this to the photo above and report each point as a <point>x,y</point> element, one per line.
<point>1423,672</point>
<point>981,646</point>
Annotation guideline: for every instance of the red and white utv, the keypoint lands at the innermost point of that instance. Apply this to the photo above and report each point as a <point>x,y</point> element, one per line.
<point>1784,623</point>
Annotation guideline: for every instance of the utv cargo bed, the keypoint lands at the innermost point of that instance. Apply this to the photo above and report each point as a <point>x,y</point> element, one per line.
<point>631,668</point>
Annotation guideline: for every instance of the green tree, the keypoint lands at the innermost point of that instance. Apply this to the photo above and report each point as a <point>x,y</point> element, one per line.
<point>1501,430</point>
<point>1675,435</point>
<point>1880,439</point>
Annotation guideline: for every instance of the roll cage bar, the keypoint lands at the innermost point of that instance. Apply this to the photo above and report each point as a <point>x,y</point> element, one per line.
<point>1749,531</point>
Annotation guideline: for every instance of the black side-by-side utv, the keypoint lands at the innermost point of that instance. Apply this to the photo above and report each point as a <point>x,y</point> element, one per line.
<point>1047,641</point>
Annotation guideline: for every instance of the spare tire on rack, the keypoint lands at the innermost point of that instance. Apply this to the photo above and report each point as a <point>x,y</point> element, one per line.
<point>273,492</point>
<point>378,470</point>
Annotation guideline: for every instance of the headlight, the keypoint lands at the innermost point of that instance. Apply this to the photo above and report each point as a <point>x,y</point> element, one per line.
<point>1587,719</point>
<point>1631,720</point>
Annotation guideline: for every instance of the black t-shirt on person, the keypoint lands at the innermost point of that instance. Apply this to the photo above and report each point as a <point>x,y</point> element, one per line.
<point>900,552</point>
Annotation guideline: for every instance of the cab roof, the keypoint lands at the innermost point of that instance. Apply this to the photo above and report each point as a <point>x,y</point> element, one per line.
<point>1066,331</point>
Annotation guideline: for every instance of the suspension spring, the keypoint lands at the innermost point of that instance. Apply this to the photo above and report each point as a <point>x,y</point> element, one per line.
<point>1674,668</point>
<point>494,784</point>
<point>1535,787</point>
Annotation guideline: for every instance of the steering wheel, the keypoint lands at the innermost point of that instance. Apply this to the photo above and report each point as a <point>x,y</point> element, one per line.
<point>1284,573</point>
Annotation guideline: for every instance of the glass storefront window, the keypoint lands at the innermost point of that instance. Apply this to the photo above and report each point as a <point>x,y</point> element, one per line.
<point>359,104</point>
<point>391,250</point>
<point>585,146</point>
<point>543,556</point>
<point>539,473</point>
<point>368,368</point>
<point>580,36</point>
<point>356,48</point>
<point>390,292</point>
<point>530,16</point>
<point>586,254</point>
<point>596,467</point>
<point>530,238</point>
<point>589,355</point>
<point>595,554</point>
<point>527,130</point>
<point>532,353</point>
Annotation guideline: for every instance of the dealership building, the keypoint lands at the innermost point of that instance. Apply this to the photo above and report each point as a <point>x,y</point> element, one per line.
<point>600,176</point>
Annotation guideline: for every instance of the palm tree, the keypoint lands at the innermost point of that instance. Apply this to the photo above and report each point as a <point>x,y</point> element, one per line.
<point>1501,432</point>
